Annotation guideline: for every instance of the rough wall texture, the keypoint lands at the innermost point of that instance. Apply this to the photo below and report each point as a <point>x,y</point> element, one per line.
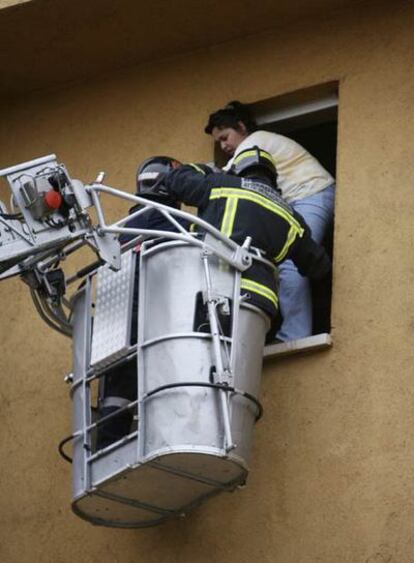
<point>54,41</point>
<point>332,476</point>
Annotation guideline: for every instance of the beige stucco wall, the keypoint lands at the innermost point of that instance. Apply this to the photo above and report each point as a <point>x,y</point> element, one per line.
<point>332,476</point>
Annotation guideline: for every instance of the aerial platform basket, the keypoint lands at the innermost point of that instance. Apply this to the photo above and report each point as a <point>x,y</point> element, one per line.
<point>197,386</point>
<point>198,354</point>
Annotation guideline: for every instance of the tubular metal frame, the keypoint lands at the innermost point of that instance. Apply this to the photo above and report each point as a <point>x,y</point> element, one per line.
<point>212,244</point>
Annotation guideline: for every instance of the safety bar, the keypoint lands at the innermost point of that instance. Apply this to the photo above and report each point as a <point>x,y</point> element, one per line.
<point>232,253</point>
<point>27,165</point>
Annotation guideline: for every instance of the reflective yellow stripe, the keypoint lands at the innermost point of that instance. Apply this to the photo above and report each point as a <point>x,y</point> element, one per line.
<point>234,194</point>
<point>246,154</point>
<point>228,216</point>
<point>197,168</point>
<point>217,193</point>
<point>260,289</point>
<point>289,241</point>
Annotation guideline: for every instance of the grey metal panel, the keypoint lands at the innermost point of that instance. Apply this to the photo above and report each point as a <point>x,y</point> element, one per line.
<point>113,462</point>
<point>81,411</point>
<point>30,164</point>
<point>170,293</point>
<point>150,493</point>
<point>161,489</point>
<point>191,416</point>
<point>110,512</point>
<point>223,470</point>
<point>113,307</point>
<point>35,171</point>
<point>174,274</point>
<point>37,232</point>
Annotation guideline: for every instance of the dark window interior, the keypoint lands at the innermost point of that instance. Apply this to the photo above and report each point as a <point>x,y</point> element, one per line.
<point>320,139</point>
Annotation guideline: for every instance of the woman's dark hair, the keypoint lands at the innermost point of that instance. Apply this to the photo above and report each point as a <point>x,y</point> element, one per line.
<point>230,116</point>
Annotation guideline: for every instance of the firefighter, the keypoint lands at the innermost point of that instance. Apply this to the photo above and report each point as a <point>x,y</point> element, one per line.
<point>246,202</point>
<point>120,383</point>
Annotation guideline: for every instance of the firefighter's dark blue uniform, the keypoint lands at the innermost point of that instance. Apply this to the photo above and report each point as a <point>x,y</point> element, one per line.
<point>241,207</point>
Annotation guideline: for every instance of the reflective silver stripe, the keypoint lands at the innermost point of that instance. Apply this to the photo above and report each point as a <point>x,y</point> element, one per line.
<point>148,176</point>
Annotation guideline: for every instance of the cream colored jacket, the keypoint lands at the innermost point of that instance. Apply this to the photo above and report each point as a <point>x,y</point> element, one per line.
<point>299,173</point>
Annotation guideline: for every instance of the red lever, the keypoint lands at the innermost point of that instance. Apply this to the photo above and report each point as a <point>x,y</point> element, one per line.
<point>53,199</point>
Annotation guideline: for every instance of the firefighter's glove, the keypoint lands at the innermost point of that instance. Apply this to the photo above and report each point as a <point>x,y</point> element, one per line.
<point>311,259</point>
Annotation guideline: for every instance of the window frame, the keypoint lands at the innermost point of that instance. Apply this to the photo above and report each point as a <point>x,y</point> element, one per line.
<point>293,111</point>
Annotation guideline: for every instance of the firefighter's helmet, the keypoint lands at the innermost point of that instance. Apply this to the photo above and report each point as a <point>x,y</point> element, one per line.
<point>254,158</point>
<point>150,173</point>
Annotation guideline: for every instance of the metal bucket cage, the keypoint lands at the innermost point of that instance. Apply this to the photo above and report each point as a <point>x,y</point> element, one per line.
<point>199,361</point>
<point>198,355</point>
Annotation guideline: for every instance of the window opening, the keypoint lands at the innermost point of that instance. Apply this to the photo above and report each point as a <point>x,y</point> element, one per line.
<point>309,117</point>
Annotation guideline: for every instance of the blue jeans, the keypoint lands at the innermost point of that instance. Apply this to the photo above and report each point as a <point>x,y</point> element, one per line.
<point>295,297</point>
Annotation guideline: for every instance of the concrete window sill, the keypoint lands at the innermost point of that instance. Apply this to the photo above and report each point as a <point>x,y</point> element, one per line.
<point>301,346</point>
